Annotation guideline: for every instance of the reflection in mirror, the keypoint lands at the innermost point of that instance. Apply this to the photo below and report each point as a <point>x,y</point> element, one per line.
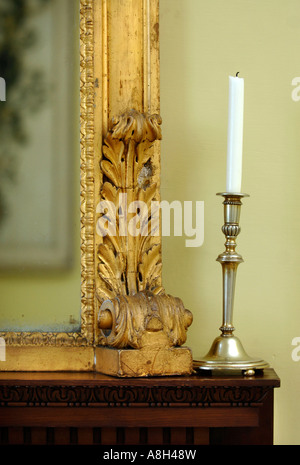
<point>39,166</point>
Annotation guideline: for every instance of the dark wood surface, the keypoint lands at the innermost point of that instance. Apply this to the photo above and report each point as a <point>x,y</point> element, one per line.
<point>268,377</point>
<point>90,408</point>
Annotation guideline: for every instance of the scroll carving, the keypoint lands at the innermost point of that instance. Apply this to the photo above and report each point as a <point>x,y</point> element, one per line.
<point>129,396</point>
<point>137,320</point>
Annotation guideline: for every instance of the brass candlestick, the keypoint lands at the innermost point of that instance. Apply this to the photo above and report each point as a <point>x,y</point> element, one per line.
<point>227,352</point>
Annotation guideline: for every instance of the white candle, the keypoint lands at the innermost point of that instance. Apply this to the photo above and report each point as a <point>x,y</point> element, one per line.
<point>235,134</point>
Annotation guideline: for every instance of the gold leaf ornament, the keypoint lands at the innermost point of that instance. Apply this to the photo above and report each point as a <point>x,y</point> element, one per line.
<point>135,312</point>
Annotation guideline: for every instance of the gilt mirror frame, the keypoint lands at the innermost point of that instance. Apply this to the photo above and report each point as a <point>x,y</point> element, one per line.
<point>115,75</point>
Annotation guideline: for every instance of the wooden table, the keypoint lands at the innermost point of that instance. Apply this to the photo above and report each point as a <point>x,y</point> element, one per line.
<point>90,408</point>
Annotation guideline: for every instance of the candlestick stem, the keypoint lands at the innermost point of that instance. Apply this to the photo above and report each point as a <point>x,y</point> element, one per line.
<point>230,259</point>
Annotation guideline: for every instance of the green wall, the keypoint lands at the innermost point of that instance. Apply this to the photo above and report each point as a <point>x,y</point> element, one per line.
<point>202,43</point>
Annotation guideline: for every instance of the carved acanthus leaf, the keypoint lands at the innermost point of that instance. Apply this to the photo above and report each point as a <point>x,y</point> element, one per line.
<point>136,126</point>
<point>150,269</point>
<point>128,180</point>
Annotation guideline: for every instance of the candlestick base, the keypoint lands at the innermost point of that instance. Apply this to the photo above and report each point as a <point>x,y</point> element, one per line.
<point>227,353</point>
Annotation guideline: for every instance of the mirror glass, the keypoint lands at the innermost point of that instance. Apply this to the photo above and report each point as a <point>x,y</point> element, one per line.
<point>39,166</point>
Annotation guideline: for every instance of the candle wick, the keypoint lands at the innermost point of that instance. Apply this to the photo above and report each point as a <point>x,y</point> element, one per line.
<point>237,74</point>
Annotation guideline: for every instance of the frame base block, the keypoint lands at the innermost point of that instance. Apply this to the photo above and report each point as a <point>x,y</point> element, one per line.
<point>148,361</point>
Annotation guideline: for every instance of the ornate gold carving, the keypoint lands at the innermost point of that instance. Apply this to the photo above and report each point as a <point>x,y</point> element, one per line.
<point>135,311</point>
<point>87,169</point>
<point>129,264</point>
<point>123,271</point>
<point>144,319</point>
